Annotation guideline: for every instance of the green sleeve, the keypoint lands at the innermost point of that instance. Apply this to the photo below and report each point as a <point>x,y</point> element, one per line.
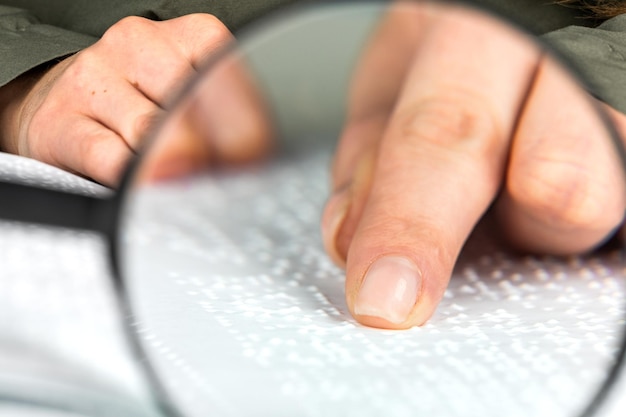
<point>33,32</point>
<point>25,42</point>
<point>600,55</point>
<point>93,17</point>
<point>535,16</point>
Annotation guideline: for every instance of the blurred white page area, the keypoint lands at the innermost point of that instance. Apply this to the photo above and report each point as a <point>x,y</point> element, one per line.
<point>244,314</point>
<point>61,346</point>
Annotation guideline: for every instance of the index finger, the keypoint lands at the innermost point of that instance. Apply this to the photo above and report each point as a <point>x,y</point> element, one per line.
<point>376,84</point>
<point>439,166</point>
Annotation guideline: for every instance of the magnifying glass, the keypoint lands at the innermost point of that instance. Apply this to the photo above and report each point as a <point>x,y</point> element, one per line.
<point>235,306</point>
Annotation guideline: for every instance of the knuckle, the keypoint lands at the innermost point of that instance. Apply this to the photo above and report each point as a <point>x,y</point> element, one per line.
<point>131,24</point>
<point>452,121</point>
<point>208,25</point>
<point>565,195</point>
<point>126,28</point>
<point>81,67</point>
<point>143,125</point>
<point>97,161</point>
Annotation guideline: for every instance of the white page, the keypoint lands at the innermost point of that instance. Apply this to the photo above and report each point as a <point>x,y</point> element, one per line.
<point>61,341</point>
<point>245,315</point>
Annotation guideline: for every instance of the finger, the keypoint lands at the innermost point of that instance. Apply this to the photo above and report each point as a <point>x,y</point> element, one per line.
<point>376,84</point>
<point>618,119</point>
<point>90,149</point>
<point>119,106</point>
<point>198,36</point>
<point>374,91</point>
<point>565,188</point>
<point>178,150</point>
<point>438,168</point>
<point>344,208</point>
<point>224,120</point>
<point>229,109</point>
<point>161,55</point>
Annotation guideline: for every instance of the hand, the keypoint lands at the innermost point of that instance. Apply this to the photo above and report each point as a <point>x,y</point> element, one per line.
<point>90,113</point>
<point>452,113</point>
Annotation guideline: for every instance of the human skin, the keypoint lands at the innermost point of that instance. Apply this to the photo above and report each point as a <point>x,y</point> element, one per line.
<point>438,132</point>
<point>441,133</point>
<point>91,112</point>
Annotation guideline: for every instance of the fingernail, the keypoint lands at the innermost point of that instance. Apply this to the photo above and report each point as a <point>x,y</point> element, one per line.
<point>334,216</point>
<point>389,290</point>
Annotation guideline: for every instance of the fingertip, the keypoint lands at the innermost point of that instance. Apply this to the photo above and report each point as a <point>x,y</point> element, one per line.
<point>395,278</point>
<point>388,293</point>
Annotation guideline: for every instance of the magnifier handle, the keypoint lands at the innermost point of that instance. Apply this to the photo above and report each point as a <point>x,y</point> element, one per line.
<point>28,204</point>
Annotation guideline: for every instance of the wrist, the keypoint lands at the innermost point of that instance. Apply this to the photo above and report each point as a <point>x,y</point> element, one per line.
<point>12,99</point>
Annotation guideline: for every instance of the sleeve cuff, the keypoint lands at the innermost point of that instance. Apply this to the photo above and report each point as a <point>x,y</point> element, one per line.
<point>599,54</point>
<point>25,43</point>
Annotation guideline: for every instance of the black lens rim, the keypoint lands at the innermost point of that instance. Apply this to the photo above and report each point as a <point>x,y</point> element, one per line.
<point>163,399</point>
